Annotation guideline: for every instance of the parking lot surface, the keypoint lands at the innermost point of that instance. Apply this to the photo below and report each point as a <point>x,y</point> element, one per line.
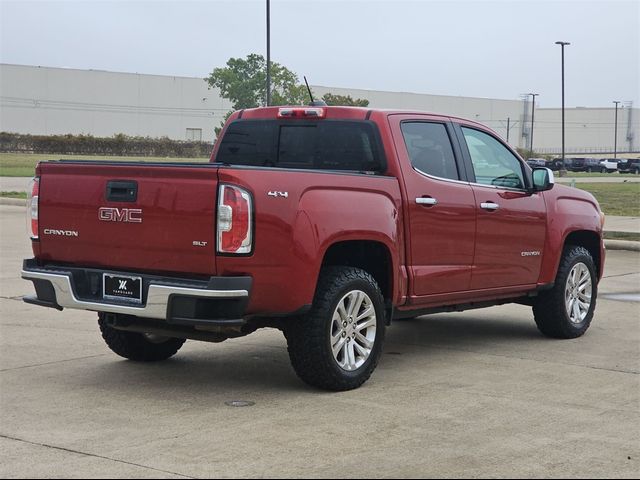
<point>473,394</point>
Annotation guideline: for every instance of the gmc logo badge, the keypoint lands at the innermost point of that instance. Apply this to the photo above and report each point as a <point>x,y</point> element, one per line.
<point>129,215</point>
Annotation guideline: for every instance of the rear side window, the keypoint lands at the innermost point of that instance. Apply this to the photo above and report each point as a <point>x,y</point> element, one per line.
<point>430,149</point>
<point>322,145</point>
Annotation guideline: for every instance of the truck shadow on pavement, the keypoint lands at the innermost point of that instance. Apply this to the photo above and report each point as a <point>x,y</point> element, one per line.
<point>262,364</point>
<point>454,330</point>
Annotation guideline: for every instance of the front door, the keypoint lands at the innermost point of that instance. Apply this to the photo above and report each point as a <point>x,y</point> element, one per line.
<point>511,222</point>
<point>440,205</point>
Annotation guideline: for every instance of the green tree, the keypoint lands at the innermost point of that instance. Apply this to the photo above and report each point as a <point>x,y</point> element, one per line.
<point>243,82</point>
<point>344,100</point>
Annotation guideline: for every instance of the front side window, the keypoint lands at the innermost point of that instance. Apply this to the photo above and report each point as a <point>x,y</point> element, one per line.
<point>493,163</point>
<point>430,149</point>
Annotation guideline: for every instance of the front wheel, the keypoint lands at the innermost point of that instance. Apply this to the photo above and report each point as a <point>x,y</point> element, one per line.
<point>567,309</point>
<point>338,344</point>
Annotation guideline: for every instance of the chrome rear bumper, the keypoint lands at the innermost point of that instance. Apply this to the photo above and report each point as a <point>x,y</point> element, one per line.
<point>157,301</point>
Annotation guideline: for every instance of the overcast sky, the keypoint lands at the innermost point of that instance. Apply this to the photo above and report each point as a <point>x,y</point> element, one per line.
<point>497,49</point>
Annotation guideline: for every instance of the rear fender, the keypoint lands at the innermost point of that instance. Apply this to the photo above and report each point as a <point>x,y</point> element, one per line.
<point>346,216</point>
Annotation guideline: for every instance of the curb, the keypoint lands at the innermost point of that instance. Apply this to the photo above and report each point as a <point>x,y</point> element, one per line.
<point>622,245</point>
<point>13,201</point>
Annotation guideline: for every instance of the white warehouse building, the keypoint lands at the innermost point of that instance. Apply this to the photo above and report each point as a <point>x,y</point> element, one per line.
<point>49,101</point>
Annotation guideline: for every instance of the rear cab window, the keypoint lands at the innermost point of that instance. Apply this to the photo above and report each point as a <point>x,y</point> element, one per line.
<point>343,145</point>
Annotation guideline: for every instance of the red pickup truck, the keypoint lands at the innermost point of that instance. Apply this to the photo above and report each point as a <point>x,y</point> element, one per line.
<point>324,222</point>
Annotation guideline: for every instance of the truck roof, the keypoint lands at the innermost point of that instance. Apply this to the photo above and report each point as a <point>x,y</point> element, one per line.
<point>342,112</point>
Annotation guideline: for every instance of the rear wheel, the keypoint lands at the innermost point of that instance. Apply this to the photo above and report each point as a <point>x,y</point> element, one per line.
<point>338,344</point>
<point>141,347</point>
<point>567,309</point>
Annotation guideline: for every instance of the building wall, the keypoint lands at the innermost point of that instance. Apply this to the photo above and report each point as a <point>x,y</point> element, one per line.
<point>587,130</point>
<point>488,111</point>
<point>49,101</point>
<point>43,100</point>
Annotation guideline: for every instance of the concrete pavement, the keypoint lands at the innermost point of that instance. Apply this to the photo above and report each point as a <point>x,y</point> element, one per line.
<point>14,184</point>
<point>473,394</point>
<point>613,223</point>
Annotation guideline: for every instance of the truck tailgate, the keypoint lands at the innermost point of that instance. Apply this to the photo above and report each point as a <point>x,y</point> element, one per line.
<point>128,216</point>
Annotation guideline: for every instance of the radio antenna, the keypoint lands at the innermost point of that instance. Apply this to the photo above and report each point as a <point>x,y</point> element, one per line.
<point>308,89</point>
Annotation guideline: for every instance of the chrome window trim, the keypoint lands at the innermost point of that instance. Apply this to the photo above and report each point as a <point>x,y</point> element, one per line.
<point>433,177</point>
<point>495,187</point>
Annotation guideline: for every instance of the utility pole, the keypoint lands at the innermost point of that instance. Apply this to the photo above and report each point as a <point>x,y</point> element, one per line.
<point>268,53</point>
<point>615,134</point>
<point>533,110</point>
<point>564,160</point>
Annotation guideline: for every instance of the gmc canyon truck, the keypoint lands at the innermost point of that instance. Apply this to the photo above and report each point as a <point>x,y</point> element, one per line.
<point>324,222</point>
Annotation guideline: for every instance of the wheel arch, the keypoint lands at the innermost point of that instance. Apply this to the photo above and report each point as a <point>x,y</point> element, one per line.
<point>589,240</point>
<point>371,256</point>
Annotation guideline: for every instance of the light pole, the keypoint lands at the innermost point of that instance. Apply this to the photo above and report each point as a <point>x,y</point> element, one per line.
<point>533,110</point>
<point>268,53</point>
<point>615,134</point>
<point>564,161</point>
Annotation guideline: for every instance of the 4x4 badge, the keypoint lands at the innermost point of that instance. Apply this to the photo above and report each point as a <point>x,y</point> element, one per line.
<point>278,194</point>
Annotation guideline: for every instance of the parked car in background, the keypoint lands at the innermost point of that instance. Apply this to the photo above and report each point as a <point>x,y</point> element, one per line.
<point>555,164</point>
<point>536,162</point>
<point>629,165</point>
<point>609,165</point>
<point>583,164</point>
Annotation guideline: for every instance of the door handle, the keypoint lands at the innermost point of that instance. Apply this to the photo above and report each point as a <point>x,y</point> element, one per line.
<point>426,201</point>
<point>489,206</point>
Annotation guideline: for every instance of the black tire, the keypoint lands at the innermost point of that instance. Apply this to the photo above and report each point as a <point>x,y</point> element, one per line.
<point>137,346</point>
<point>309,337</point>
<point>604,170</point>
<point>549,308</point>
<point>588,169</point>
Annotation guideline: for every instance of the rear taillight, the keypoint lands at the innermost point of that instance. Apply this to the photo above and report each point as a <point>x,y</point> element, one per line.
<point>33,194</point>
<point>235,230</point>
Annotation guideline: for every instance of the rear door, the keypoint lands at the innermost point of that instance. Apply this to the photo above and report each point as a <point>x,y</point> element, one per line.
<point>440,205</point>
<point>138,217</point>
<point>511,222</point>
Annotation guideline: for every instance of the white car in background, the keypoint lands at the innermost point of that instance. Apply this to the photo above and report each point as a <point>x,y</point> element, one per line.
<point>609,165</point>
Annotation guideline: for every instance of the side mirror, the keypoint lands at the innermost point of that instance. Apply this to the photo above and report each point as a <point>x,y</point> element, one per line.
<point>543,179</point>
